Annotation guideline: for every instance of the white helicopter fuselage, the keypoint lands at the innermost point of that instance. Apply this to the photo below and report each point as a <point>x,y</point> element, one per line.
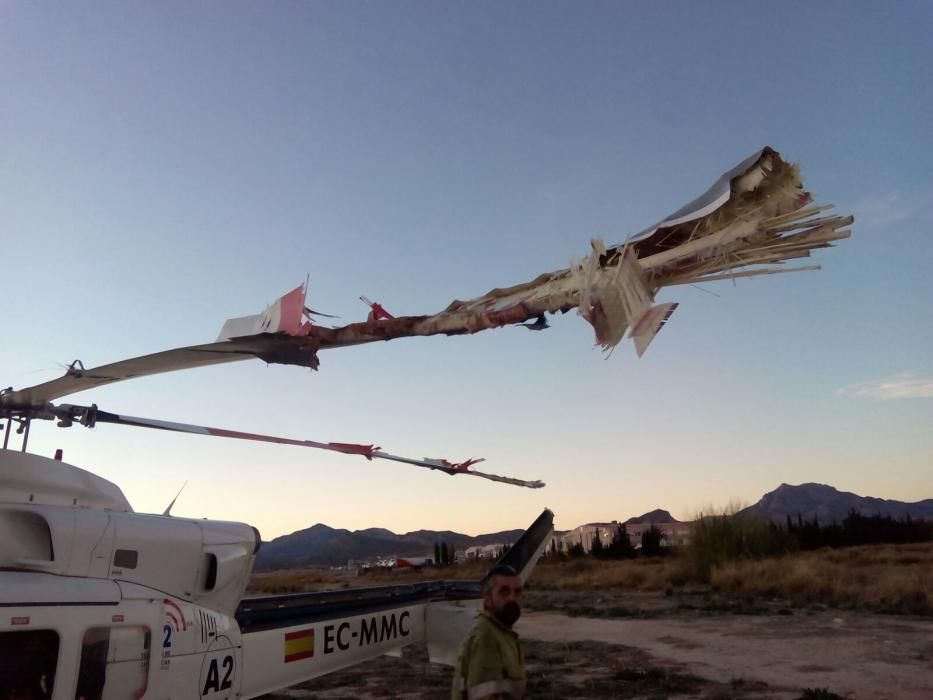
<point>98,602</point>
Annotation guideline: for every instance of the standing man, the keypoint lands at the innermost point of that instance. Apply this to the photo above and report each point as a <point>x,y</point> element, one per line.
<point>491,666</point>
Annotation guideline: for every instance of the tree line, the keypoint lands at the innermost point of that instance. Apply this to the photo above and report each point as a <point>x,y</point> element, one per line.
<point>718,538</point>
<point>858,529</point>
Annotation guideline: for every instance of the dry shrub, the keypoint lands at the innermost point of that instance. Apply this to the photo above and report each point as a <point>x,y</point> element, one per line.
<point>891,578</point>
<point>594,574</point>
<point>887,555</point>
<point>293,581</point>
<point>727,535</point>
<point>904,591</point>
<point>320,579</point>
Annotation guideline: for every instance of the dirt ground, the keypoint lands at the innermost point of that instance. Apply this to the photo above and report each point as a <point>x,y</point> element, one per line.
<point>859,656</point>
<point>571,669</point>
<point>649,646</point>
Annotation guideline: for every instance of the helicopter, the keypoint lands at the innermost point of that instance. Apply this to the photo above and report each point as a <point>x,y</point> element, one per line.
<point>100,602</point>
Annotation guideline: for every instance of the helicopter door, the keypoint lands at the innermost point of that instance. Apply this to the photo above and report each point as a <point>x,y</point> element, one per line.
<point>114,663</point>
<point>27,664</point>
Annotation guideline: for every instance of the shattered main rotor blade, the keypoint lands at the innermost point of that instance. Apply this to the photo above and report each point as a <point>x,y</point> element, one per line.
<point>368,451</point>
<point>754,218</point>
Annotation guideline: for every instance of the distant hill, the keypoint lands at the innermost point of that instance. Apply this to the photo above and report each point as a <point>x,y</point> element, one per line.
<point>654,516</point>
<point>324,545</point>
<point>828,504</point>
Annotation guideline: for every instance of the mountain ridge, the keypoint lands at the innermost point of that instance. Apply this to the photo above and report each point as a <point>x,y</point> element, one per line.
<point>322,544</point>
<point>657,515</point>
<point>827,504</point>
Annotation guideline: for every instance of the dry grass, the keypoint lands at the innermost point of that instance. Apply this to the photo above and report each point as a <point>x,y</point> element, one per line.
<point>594,574</point>
<point>886,578</point>
<point>321,579</point>
<point>889,578</point>
<point>295,581</point>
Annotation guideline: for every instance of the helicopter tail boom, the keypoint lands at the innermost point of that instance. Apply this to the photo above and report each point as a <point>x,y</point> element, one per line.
<point>288,639</point>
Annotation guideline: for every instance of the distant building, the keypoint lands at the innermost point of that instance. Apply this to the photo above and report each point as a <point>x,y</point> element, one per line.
<point>674,534</point>
<point>484,551</point>
<point>583,535</point>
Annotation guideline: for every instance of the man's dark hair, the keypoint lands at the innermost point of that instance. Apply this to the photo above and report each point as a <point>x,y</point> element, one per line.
<point>497,570</point>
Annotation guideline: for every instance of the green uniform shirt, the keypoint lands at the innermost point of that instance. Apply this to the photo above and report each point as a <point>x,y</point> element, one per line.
<point>490,664</point>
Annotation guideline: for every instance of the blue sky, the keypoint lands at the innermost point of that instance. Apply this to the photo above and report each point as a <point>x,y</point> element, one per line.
<point>166,166</point>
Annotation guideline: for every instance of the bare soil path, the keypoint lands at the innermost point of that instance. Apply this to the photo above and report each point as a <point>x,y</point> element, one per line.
<point>858,655</point>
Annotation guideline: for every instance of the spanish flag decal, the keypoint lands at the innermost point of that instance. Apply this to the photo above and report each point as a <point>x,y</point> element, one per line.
<point>299,645</point>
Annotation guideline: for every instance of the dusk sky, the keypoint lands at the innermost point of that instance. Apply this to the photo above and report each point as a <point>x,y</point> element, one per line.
<point>165,166</point>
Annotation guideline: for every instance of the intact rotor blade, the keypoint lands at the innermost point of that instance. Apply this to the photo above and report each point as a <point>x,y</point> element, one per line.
<point>368,451</point>
<point>272,348</point>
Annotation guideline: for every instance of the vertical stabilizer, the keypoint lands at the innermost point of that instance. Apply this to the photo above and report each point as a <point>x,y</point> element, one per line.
<point>524,554</point>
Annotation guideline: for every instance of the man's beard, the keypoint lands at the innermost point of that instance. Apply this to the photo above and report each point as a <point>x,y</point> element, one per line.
<point>509,613</point>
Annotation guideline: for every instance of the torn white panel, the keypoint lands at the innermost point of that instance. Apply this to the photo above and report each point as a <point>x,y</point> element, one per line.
<point>715,196</point>
<point>282,316</point>
<point>646,328</point>
<point>584,277</point>
<point>612,298</point>
<point>239,327</point>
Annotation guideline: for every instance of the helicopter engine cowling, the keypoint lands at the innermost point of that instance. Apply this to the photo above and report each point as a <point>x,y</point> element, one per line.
<point>55,520</point>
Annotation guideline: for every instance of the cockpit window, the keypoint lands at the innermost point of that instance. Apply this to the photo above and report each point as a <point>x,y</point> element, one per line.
<point>27,664</point>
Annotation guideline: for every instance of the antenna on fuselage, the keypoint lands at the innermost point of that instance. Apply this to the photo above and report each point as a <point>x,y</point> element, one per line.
<point>168,511</point>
